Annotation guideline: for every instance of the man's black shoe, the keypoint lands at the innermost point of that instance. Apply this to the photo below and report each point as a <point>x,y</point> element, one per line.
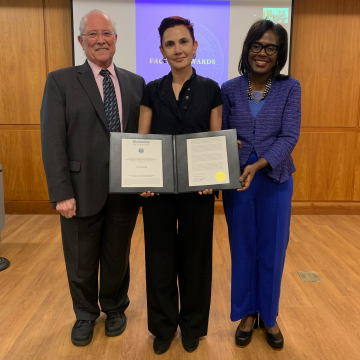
<point>161,346</point>
<point>115,323</point>
<point>82,332</point>
<point>190,345</point>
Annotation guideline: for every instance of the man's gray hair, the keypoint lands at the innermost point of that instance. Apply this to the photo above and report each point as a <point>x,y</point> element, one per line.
<point>82,21</point>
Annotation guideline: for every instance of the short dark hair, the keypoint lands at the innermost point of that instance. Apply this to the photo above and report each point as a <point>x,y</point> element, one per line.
<point>255,32</point>
<point>174,21</point>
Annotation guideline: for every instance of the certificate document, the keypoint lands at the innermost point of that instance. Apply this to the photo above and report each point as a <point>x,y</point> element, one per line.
<point>207,161</point>
<point>141,163</point>
<point>172,164</point>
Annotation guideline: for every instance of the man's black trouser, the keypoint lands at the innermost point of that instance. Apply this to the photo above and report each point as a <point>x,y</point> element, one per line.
<point>101,239</point>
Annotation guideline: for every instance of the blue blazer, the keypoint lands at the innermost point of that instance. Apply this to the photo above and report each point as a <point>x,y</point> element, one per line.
<point>277,124</point>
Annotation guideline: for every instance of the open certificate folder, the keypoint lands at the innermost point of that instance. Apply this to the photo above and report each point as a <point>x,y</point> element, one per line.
<point>174,163</point>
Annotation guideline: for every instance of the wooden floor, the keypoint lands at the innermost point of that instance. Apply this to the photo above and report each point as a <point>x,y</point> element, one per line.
<point>318,320</point>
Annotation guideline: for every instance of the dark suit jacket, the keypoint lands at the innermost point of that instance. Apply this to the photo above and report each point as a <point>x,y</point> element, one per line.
<point>75,136</point>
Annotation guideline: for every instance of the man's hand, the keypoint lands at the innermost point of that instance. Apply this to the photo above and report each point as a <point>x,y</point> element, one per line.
<point>67,208</point>
<point>239,144</point>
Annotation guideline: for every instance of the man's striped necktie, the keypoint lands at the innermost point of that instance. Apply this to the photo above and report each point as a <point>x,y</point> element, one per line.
<point>110,103</point>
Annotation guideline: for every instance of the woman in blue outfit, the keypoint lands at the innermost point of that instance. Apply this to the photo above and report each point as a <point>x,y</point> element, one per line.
<point>265,109</point>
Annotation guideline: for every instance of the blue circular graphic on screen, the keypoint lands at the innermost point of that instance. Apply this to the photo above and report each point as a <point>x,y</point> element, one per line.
<point>141,150</point>
<point>209,49</point>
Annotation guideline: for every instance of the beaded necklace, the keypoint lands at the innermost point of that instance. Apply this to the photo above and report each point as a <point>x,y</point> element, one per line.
<point>263,95</point>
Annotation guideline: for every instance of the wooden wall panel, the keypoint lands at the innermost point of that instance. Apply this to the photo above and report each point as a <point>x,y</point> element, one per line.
<point>24,176</point>
<point>58,35</point>
<point>325,58</point>
<point>22,61</point>
<point>36,35</point>
<point>39,34</point>
<point>357,172</point>
<point>325,164</point>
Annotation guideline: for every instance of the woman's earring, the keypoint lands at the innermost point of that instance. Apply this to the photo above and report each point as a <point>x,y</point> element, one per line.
<point>275,66</point>
<point>164,60</point>
<point>194,56</point>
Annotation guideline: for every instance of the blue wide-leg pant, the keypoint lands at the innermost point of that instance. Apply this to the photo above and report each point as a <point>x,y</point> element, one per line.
<point>259,227</point>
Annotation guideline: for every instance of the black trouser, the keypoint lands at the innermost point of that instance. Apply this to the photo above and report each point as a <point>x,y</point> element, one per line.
<point>104,239</point>
<point>178,247</point>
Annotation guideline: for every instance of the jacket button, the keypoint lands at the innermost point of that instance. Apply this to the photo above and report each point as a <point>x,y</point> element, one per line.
<point>107,164</point>
<point>185,107</point>
<point>188,89</point>
<point>186,97</point>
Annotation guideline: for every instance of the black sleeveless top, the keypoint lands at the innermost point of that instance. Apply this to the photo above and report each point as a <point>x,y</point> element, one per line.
<point>190,114</point>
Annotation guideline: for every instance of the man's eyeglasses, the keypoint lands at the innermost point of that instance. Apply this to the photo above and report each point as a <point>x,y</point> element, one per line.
<point>269,49</point>
<point>95,34</point>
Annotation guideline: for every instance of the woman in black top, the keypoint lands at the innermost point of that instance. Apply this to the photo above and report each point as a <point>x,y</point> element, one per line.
<point>178,228</point>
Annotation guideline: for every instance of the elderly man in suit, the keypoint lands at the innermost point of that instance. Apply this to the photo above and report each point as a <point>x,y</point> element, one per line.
<point>80,107</point>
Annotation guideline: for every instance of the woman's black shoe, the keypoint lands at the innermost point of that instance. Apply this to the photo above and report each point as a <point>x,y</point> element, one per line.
<point>243,338</point>
<point>276,341</point>
<point>82,332</point>
<point>190,345</point>
<point>161,346</point>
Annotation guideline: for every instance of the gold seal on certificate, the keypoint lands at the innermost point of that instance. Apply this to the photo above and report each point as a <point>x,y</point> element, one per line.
<point>220,176</point>
<point>174,163</point>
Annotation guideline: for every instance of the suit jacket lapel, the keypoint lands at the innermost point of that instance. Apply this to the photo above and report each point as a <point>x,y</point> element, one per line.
<point>125,96</point>
<point>87,80</point>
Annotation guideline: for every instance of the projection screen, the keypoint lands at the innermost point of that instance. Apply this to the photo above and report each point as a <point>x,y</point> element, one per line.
<point>220,28</point>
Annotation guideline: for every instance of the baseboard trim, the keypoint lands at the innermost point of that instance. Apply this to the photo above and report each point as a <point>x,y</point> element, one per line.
<point>325,208</point>
<point>298,208</point>
<point>29,207</point>
<point>314,208</point>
